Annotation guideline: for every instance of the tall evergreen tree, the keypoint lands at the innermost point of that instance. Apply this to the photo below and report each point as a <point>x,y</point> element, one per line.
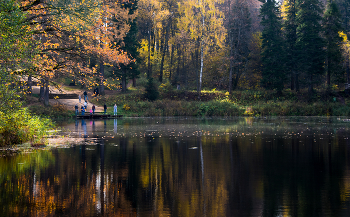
<point>273,54</point>
<point>310,44</point>
<point>332,27</point>
<point>290,26</point>
<point>344,6</point>
<point>130,45</point>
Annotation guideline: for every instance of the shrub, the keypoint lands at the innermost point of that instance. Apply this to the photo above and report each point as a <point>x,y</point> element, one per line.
<point>126,107</point>
<point>151,90</point>
<point>20,126</point>
<point>165,88</point>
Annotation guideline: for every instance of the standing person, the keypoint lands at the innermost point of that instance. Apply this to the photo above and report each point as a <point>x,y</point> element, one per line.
<point>93,109</point>
<point>115,109</point>
<point>85,104</point>
<point>90,111</point>
<point>105,107</point>
<point>85,95</point>
<point>82,110</point>
<point>76,109</point>
<point>79,98</point>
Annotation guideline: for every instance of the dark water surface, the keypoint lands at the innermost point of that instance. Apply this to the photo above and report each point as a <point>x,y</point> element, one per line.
<point>295,166</point>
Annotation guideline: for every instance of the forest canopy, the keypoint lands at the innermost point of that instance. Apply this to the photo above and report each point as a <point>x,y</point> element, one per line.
<point>210,44</point>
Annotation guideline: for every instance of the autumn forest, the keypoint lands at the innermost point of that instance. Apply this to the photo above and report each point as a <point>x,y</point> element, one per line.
<point>226,45</point>
<point>195,45</point>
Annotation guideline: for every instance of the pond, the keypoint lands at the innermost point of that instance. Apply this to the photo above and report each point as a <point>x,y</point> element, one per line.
<point>279,166</point>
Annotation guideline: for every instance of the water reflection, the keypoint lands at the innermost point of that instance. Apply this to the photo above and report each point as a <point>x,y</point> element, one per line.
<point>186,167</point>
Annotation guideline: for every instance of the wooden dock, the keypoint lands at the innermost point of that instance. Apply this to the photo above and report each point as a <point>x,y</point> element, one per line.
<point>98,116</point>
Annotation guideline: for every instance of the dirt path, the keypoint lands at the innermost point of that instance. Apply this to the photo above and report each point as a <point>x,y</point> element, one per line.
<point>69,103</point>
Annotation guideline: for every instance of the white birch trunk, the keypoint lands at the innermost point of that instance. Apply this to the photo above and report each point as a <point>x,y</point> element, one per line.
<point>202,54</point>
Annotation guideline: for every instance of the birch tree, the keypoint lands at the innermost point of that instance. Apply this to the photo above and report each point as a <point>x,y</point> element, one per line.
<point>203,21</point>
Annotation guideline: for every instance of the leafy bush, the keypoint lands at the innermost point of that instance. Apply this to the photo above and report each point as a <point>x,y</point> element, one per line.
<point>20,126</point>
<point>56,111</point>
<point>165,88</point>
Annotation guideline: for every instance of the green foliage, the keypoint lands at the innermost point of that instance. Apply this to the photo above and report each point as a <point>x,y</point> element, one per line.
<point>14,36</point>
<point>309,43</point>
<point>239,103</point>
<point>151,90</point>
<point>165,88</point>
<point>332,26</point>
<point>56,111</point>
<point>9,93</point>
<point>290,27</point>
<point>20,126</point>
<point>130,44</point>
<point>273,52</point>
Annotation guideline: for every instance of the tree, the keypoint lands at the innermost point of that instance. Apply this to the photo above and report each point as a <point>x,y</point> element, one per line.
<point>273,54</point>
<point>204,24</point>
<point>151,90</point>
<point>290,27</point>
<point>332,28</point>
<point>69,33</point>
<point>15,53</point>
<point>238,38</point>
<point>310,44</point>
<point>344,10</point>
<point>130,45</point>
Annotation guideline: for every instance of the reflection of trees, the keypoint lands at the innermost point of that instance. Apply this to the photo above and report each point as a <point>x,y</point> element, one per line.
<point>247,175</point>
<point>303,178</point>
<point>17,173</point>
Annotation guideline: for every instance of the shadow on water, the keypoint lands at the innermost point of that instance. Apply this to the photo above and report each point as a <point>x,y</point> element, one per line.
<point>186,167</point>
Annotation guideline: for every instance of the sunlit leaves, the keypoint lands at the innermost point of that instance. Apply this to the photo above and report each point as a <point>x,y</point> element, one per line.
<point>14,33</point>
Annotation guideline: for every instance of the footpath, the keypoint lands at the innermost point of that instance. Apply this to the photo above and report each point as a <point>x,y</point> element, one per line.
<point>70,103</point>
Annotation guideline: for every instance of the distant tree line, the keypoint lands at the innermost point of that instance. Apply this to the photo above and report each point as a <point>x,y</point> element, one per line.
<point>245,44</point>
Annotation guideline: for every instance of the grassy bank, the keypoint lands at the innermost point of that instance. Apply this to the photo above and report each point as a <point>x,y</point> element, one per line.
<point>240,103</point>
<point>54,112</point>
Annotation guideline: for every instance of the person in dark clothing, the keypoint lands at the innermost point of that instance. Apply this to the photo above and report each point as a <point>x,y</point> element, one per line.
<point>85,96</point>
<point>76,109</point>
<point>105,108</point>
<point>93,109</point>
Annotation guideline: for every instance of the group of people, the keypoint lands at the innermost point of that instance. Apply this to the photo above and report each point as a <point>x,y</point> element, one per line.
<point>93,108</point>
<point>84,108</point>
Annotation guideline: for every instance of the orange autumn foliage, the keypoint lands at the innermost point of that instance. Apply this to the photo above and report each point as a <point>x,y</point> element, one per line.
<point>67,36</point>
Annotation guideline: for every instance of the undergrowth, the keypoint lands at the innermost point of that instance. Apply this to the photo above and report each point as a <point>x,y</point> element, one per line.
<point>221,103</point>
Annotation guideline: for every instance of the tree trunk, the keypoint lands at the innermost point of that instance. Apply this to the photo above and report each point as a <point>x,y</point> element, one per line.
<point>46,95</point>
<point>134,82</point>
<point>201,73</point>
<point>231,49</point>
<point>347,70</point>
<point>328,75</point>
<point>177,77</point>
<point>235,81</point>
<point>149,71</point>
<point>162,63</point>
<point>42,90</point>
<point>171,62</point>
<point>202,55</point>
<point>164,46</point>
<point>297,82</point>
<point>310,86</point>
<point>184,72</point>
<point>30,84</point>
<point>124,80</point>
<point>292,82</point>
<point>102,78</point>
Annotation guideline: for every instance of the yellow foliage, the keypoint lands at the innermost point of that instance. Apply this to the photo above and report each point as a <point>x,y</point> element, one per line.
<point>126,107</point>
